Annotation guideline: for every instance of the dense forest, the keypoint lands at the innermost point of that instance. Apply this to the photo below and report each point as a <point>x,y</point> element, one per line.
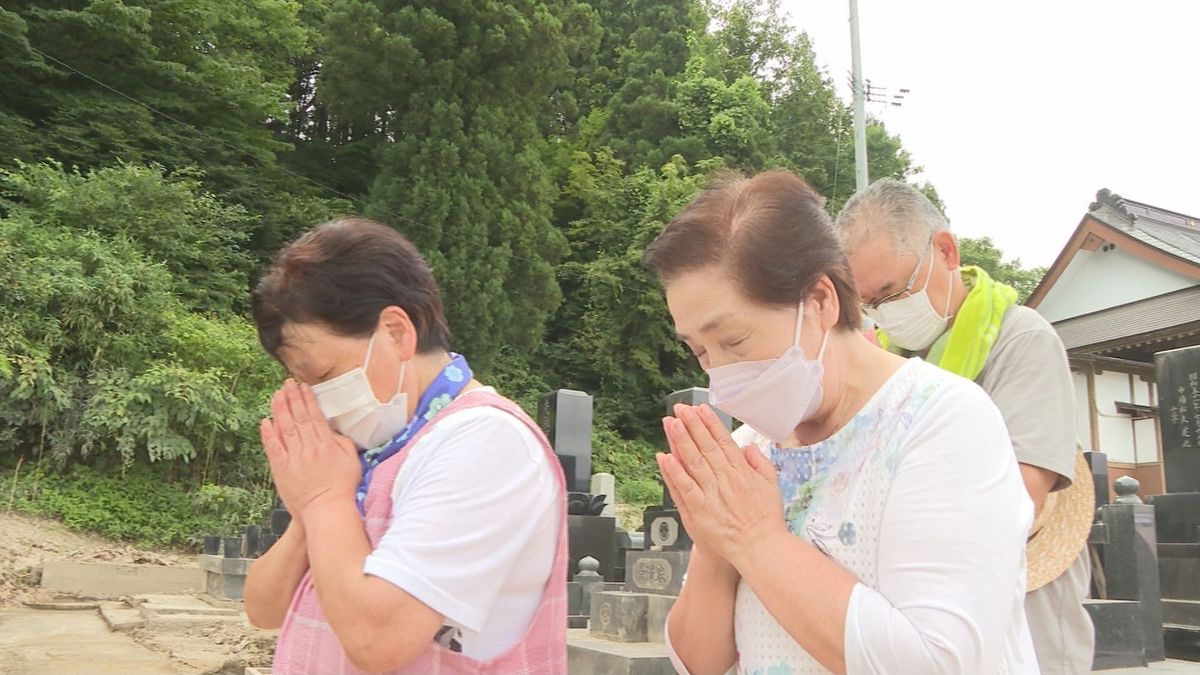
<point>155,154</point>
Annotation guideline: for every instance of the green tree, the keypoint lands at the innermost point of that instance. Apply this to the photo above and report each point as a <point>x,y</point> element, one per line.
<point>641,119</point>
<point>982,252</point>
<point>179,85</point>
<point>615,338</point>
<point>463,171</point>
<point>171,219</point>
<point>102,355</point>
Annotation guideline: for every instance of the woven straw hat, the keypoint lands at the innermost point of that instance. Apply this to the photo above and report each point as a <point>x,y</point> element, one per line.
<point>1061,528</point>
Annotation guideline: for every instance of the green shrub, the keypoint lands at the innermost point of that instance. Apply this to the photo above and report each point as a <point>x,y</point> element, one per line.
<point>631,462</point>
<point>137,505</point>
<point>119,341</point>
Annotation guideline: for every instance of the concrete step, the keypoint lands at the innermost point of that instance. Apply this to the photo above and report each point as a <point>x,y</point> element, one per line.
<point>61,605</point>
<point>121,618</point>
<point>1181,612</point>
<point>152,611</point>
<point>172,622</point>
<point>154,607</point>
<point>1119,640</point>
<point>586,654</point>
<point>113,580</point>
<point>167,599</point>
<point>1179,571</point>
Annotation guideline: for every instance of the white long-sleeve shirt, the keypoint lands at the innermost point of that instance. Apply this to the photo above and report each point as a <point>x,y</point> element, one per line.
<point>919,496</point>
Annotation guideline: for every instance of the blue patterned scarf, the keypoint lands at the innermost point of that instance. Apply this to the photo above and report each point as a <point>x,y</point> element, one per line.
<point>445,388</point>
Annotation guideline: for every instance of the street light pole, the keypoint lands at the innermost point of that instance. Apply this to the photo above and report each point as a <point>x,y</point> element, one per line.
<point>860,115</point>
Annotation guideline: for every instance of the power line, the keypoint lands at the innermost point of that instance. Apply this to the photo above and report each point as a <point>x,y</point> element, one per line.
<point>330,189</point>
<point>876,94</point>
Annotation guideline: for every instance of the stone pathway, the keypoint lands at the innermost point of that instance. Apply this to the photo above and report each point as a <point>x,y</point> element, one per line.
<point>160,634</point>
<point>70,642</point>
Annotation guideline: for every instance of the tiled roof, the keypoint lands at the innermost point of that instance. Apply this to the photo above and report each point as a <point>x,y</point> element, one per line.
<point>1172,233</point>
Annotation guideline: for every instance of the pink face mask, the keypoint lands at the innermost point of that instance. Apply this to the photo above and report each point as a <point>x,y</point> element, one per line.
<point>773,396</point>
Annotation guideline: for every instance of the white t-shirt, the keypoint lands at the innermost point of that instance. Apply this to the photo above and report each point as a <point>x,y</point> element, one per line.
<point>919,496</point>
<point>474,527</point>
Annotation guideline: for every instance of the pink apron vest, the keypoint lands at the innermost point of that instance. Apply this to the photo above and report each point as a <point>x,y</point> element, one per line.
<point>308,645</point>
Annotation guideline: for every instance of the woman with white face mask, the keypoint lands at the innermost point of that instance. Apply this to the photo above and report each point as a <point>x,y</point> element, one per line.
<point>862,520</point>
<point>393,561</point>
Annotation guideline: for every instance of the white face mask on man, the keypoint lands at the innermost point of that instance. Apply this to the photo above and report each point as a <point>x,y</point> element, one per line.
<point>349,403</point>
<point>912,323</point>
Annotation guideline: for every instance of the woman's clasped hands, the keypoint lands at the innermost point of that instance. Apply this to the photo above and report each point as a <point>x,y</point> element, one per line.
<point>727,496</point>
<point>310,462</point>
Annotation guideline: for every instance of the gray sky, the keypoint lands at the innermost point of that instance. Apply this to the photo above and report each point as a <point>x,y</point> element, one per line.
<point>1020,111</point>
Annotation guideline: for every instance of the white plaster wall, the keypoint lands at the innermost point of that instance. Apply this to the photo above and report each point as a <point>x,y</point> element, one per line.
<point>1116,433</point>
<point>1099,279</point>
<point>1083,420</point>
<point>1147,441</point>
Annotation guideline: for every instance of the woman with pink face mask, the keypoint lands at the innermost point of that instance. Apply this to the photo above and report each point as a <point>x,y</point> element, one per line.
<point>395,560</point>
<point>861,521</point>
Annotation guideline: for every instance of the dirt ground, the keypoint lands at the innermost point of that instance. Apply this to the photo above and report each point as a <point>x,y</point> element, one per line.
<point>49,641</point>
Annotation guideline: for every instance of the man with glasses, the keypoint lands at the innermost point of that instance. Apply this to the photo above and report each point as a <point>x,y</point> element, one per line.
<point>905,263</point>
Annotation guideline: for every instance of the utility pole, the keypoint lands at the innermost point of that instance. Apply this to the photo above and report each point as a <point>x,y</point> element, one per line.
<point>860,115</point>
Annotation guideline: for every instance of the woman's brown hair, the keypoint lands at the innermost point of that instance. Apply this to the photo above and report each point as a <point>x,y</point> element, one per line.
<point>342,274</point>
<point>769,233</point>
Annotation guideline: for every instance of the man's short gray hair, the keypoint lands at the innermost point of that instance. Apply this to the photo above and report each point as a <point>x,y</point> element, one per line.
<point>891,206</point>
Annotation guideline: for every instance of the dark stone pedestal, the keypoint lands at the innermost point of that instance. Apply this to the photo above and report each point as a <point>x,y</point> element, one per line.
<point>1181,613</point>
<point>1179,571</point>
<point>592,536</point>
<point>1182,644</point>
<point>1119,642</point>
<point>1177,517</point>
<point>1131,568</point>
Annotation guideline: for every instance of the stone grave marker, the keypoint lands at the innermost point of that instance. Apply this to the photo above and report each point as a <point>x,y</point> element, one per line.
<point>1178,376</point>
<point>605,484</point>
<point>1131,563</point>
<point>565,416</point>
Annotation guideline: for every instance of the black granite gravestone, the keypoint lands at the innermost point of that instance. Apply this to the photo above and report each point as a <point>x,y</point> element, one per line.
<point>1131,567</point>
<point>662,525</point>
<point>1178,375</point>
<point>1177,515</point>
<point>592,536</point>
<point>1098,464</point>
<point>566,418</point>
<point>694,396</point>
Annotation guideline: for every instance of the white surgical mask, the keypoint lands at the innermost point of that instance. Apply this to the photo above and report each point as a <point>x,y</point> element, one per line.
<point>912,323</point>
<point>773,396</point>
<point>349,403</point>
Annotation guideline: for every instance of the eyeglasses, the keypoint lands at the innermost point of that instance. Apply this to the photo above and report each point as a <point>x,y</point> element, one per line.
<point>908,288</point>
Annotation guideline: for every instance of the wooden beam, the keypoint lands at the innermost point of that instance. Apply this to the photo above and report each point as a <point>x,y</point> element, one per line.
<point>1093,414</point>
